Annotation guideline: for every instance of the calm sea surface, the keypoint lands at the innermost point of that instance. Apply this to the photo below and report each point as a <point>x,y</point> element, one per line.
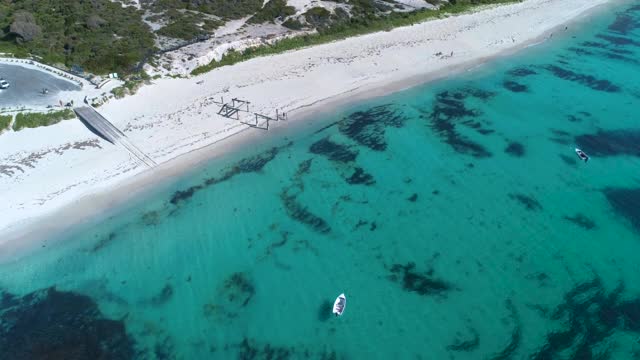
<point>456,218</point>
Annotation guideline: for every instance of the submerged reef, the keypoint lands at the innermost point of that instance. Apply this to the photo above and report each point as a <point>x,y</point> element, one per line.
<point>611,49</point>
<point>303,168</point>
<point>151,218</point>
<point>522,72</point>
<point>623,24</point>
<point>284,239</point>
<point>467,344</point>
<point>625,202</point>
<point>164,349</point>
<point>345,157</point>
<point>234,294</point>
<point>368,127</point>
<point>359,176</point>
<point>250,349</point>
<point>333,151</point>
<point>450,110</point>
<point>514,86</point>
<point>589,316</point>
<point>52,324</point>
<point>578,117</point>
<point>516,334</point>
<point>247,165</point>
<point>422,283</point>
<point>611,142</point>
<point>626,21</point>
<point>300,213</point>
<point>297,211</point>
<point>103,242</point>
<point>581,220</point>
<point>586,80</point>
<point>617,40</point>
<point>238,288</point>
<point>515,149</point>
<point>527,201</point>
<point>163,296</point>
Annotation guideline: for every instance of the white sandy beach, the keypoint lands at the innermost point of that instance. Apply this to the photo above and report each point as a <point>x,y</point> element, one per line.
<point>66,170</point>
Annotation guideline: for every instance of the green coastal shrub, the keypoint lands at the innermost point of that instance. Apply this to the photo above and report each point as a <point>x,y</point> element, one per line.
<point>5,120</point>
<point>317,16</point>
<point>210,25</point>
<point>187,25</point>
<point>33,120</point>
<point>131,85</point>
<point>293,24</point>
<point>272,10</point>
<point>234,9</point>
<point>100,36</point>
<point>181,30</point>
<point>226,9</point>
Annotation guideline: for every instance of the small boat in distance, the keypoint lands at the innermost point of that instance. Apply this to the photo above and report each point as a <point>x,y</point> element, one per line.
<point>339,305</point>
<point>582,155</point>
<point>4,84</point>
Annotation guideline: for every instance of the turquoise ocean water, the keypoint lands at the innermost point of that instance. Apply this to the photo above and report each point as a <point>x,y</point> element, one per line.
<point>455,216</point>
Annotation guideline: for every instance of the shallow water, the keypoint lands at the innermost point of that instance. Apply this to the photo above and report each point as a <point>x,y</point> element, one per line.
<point>455,216</point>
<point>26,87</point>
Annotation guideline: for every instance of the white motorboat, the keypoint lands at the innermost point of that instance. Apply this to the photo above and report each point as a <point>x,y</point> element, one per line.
<point>582,155</point>
<point>339,305</point>
<point>4,84</point>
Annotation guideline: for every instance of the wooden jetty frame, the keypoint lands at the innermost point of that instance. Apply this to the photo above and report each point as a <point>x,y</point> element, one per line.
<point>232,111</point>
<point>229,111</point>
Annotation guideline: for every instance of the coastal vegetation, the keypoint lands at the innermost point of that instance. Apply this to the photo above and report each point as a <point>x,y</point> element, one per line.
<point>99,35</point>
<point>181,30</point>
<point>186,25</point>
<point>131,85</point>
<point>5,120</point>
<point>102,36</point>
<point>223,9</point>
<point>293,24</point>
<point>32,120</point>
<point>369,22</point>
<point>274,9</point>
<point>317,16</point>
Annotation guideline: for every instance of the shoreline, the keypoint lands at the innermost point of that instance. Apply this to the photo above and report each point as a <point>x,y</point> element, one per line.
<point>112,193</point>
<point>386,88</point>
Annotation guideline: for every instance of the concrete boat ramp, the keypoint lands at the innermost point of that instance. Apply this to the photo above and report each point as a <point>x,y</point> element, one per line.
<point>100,126</point>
